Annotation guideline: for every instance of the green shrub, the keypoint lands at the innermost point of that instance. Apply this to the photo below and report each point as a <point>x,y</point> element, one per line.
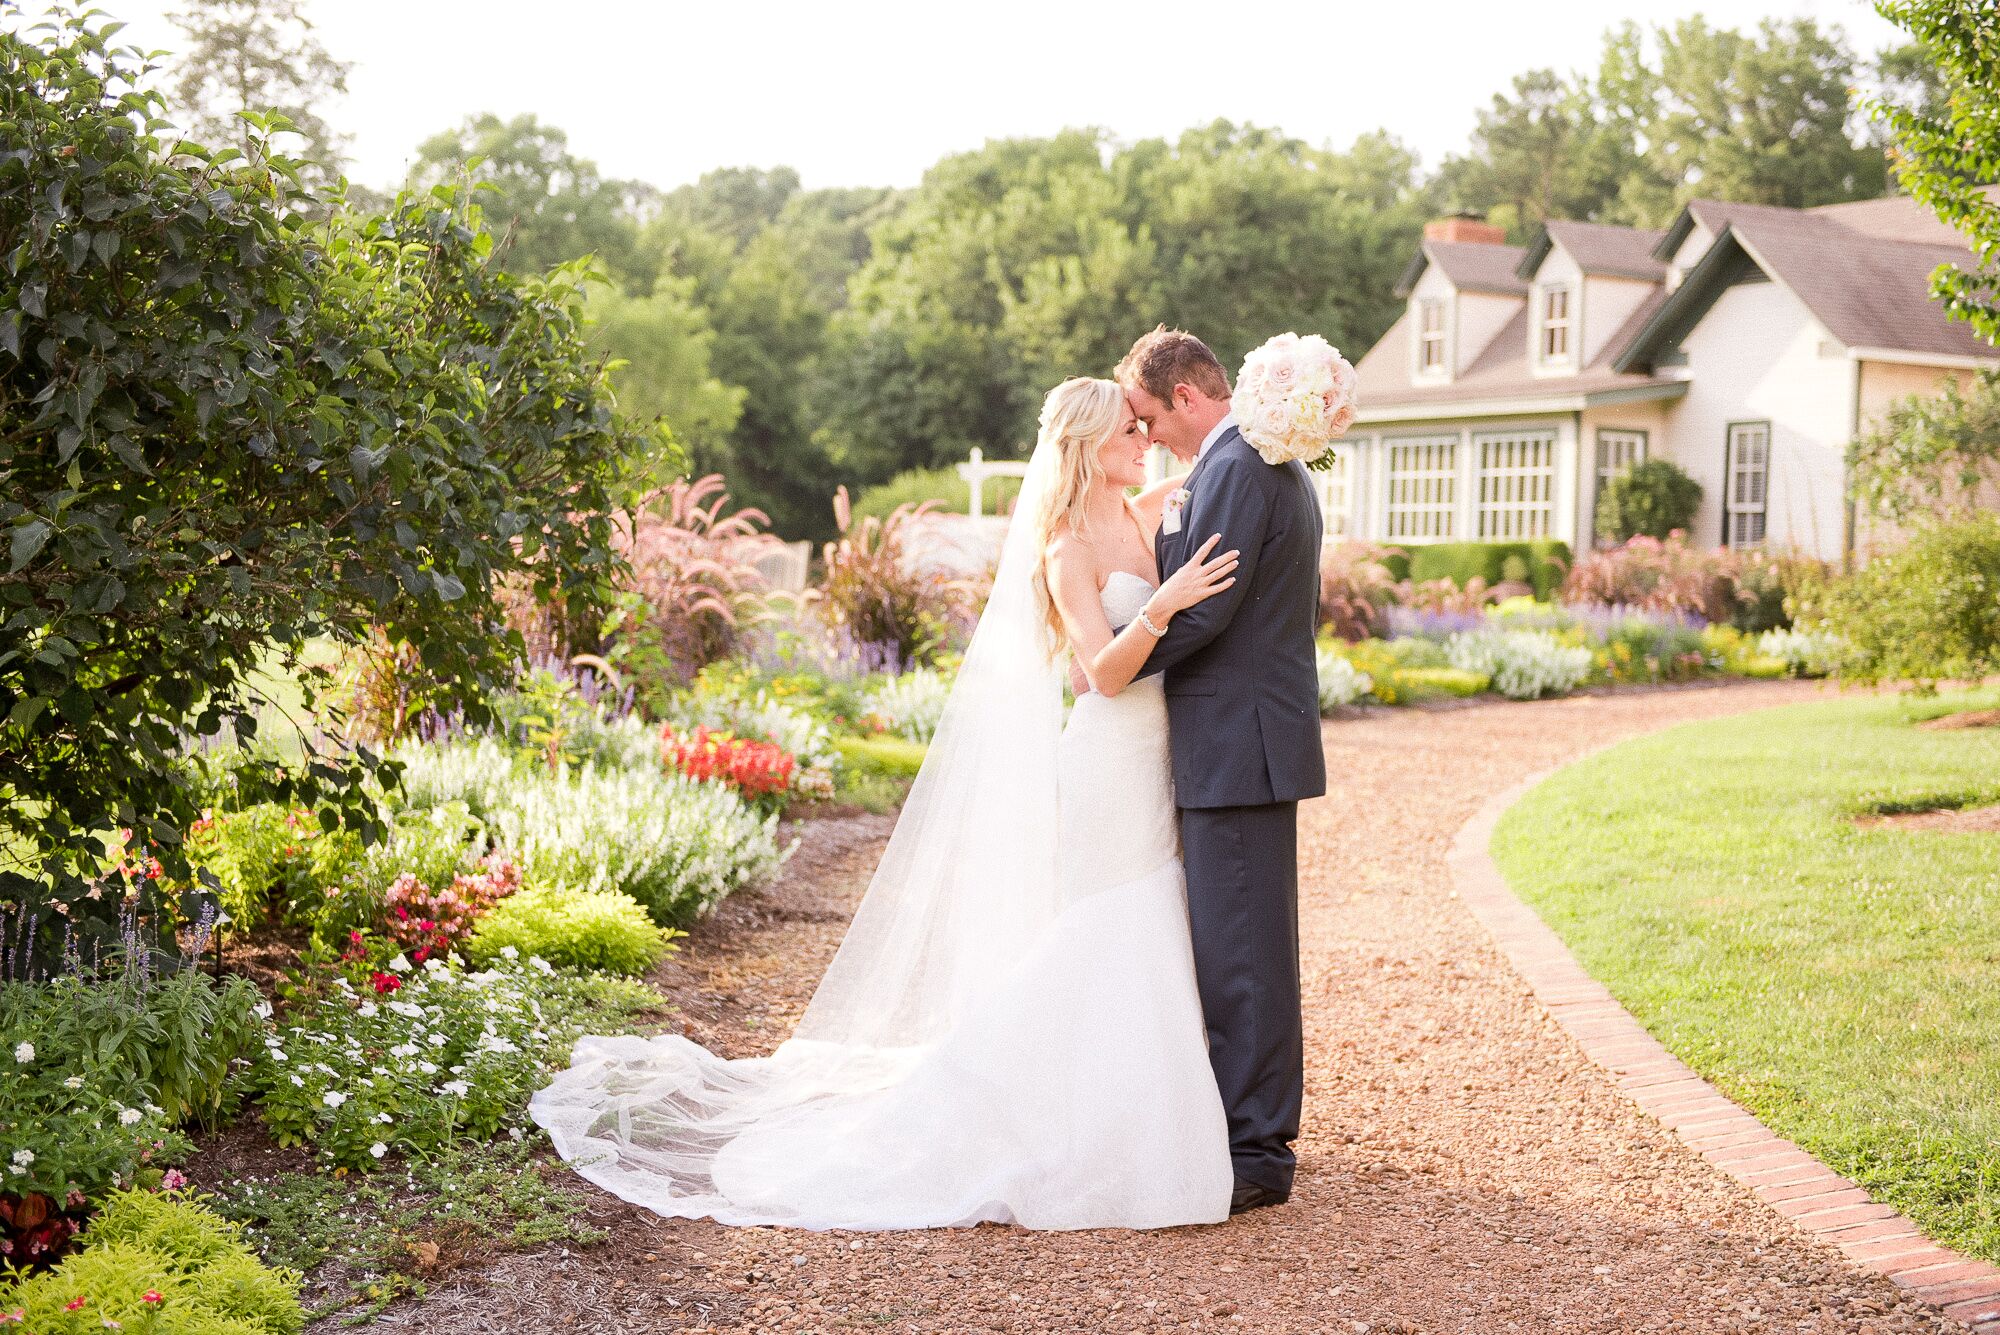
<point>941,486</point>
<point>890,757</point>
<point>205,1279</point>
<point>1927,613</point>
<point>1650,499</point>
<point>434,844</point>
<point>606,930</point>
<point>1541,563</point>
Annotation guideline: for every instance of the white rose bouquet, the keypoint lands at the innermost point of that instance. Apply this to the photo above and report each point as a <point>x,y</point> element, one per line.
<point>1293,397</point>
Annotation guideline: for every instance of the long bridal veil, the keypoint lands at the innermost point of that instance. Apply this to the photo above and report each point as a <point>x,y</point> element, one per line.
<point>965,888</point>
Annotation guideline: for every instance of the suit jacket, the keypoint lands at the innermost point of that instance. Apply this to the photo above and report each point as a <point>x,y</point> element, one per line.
<point>1242,684</point>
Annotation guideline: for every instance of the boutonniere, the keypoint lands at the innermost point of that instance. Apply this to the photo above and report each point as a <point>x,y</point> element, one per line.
<point>1177,499</point>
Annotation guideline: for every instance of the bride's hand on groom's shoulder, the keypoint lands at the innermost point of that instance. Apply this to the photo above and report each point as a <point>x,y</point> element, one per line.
<point>1079,684</point>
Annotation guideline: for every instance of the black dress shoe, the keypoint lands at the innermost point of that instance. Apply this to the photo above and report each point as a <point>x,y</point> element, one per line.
<point>1250,1196</point>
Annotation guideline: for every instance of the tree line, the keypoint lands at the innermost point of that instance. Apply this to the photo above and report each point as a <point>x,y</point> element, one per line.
<point>797,338</point>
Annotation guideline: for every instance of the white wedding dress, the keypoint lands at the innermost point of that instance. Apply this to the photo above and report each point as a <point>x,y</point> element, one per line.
<point>1055,1074</point>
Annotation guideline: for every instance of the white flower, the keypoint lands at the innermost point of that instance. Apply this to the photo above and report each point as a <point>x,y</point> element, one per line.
<point>513,1133</point>
<point>74,1082</point>
<point>384,1118</point>
<point>428,1068</point>
<point>367,1010</point>
<point>403,1050</point>
<point>508,952</point>
<point>22,1158</point>
<point>539,963</point>
<point>437,1040</point>
<point>378,1149</point>
<point>24,1053</point>
<point>127,1116</point>
<point>333,1098</point>
<point>299,1080</point>
<point>456,1088</point>
<point>401,964</point>
<point>278,1055</point>
<point>263,1009</point>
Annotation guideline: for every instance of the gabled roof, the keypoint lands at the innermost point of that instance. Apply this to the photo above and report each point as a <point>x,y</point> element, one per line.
<point>1500,372</point>
<point>1597,248</point>
<point>1472,266</point>
<point>1868,292</point>
<point>1892,218</point>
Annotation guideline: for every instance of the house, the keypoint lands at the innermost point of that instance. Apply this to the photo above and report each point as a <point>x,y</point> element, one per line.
<point>1746,343</point>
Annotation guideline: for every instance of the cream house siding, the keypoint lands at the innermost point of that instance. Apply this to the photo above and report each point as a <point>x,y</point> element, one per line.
<point>1608,303</point>
<point>1690,250</point>
<point>1648,416</point>
<point>1758,355</point>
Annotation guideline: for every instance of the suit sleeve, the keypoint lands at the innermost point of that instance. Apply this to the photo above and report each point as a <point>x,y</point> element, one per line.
<point>1241,513</point>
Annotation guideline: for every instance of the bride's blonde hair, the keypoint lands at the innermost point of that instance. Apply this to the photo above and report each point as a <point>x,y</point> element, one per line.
<point>1078,416</point>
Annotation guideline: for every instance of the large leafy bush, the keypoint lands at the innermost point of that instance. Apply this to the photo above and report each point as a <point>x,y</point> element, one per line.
<point>1653,498</point>
<point>231,427</point>
<point>1928,613</point>
<point>1659,575</point>
<point>606,930</point>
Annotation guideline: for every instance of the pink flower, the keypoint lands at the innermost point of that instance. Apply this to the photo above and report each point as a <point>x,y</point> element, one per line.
<point>174,1180</point>
<point>1282,376</point>
<point>75,1304</point>
<point>151,1296</point>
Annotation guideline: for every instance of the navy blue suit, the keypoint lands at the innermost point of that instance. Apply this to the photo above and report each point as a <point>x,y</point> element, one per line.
<point>1243,703</point>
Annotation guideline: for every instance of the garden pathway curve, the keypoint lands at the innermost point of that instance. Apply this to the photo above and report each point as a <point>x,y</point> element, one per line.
<point>1463,1167</point>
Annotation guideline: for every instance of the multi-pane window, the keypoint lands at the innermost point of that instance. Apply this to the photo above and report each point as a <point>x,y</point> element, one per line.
<point>1336,490</point>
<point>1555,324</point>
<point>1423,487</point>
<point>1616,452</point>
<point>1517,484</point>
<point>1746,483</point>
<point>1430,334</point>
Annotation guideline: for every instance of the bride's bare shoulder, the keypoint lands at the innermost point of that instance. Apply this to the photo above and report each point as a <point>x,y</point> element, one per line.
<point>1071,560</point>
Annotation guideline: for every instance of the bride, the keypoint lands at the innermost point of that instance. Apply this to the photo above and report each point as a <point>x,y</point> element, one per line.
<point>1010,1031</point>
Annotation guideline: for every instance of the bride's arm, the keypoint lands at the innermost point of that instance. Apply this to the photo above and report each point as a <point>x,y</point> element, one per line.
<point>1111,659</point>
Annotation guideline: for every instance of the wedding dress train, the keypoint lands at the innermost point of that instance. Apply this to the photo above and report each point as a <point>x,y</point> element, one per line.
<point>1067,1086</point>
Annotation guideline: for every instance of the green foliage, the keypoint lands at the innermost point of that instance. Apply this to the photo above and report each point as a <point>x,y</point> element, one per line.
<point>1712,877</point>
<point>1929,612</point>
<point>663,343</point>
<point>895,757</point>
<point>942,488</point>
<point>169,1041</point>
<point>352,1232</point>
<point>1672,113</point>
<point>606,930</point>
<point>204,1278</point>
<point>1947,151</point>
<point>441,1055</point>
<point>674,844</point>
<point>1652,498</point>
<point>1541,563</point>
<point>1419,682</point>
<point>1929,456</point>
<point>259,56</point>
<point>231,428</point>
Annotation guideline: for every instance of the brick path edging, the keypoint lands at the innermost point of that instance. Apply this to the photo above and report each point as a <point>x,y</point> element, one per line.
<point>1788,1179</point>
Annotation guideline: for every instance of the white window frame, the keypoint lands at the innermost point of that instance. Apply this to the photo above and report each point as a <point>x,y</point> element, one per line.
<point>1420,487</point>
<point>1335,484</point>
<point>1433,341</point>
<point>1516,484</point>
<point>1563,325</point>
<point>1746,484</point>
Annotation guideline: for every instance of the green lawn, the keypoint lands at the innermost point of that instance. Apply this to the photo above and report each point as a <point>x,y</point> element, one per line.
<point>1844,984</point>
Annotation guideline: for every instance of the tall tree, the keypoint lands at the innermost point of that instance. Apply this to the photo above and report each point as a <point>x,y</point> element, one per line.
<point>546,204</point>
<point>1764,119</point>
<point>1948,157</point>
<point>258,56</point>
<point>1554,149</point>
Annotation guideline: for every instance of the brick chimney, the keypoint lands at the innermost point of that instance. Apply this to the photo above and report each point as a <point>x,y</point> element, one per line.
<point>1465,227</point>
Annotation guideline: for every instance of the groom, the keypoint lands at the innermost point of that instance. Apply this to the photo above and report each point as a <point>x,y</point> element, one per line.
<point>1243,712</point>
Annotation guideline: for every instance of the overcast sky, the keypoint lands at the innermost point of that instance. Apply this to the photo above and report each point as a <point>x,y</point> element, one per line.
<point>873,93</point>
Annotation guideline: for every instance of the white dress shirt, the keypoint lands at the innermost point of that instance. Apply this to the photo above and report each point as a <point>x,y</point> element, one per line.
<point>1214,434</point>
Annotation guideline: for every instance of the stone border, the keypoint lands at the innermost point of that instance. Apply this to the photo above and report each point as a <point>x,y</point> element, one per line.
<point>1788,1179</point>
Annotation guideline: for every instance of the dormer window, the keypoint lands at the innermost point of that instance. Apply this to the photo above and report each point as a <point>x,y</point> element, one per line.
<point>1430,336</point>
<point>1556,323</point>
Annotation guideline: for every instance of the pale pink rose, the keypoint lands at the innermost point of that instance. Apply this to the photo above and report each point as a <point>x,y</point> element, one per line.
<point>1343,418</point>
<point>1283,377</point>
<point>1272,420</point>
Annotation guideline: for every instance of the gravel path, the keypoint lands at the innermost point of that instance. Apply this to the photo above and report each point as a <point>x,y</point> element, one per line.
<point>1463,1167</point>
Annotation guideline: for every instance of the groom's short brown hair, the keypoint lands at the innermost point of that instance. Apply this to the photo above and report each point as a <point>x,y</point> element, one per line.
<point>1168,357</point>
